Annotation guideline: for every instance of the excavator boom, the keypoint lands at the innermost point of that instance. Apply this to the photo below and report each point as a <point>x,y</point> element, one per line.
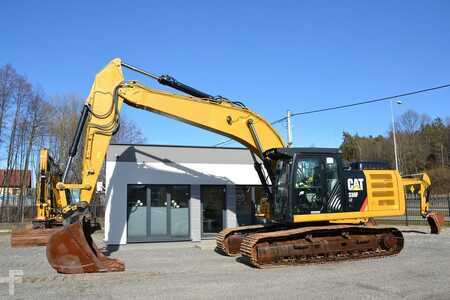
<point>72,250</point>
<point>101,113</point>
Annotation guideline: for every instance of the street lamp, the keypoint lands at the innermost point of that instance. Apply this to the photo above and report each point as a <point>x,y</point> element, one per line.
<point>393,132</point>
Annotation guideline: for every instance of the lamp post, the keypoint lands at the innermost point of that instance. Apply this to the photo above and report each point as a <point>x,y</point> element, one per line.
<point>393,132</point>
<point>289,129</point>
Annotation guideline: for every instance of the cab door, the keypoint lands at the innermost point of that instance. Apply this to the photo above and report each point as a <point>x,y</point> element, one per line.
<point>308,196</point>
<point>316,185</point>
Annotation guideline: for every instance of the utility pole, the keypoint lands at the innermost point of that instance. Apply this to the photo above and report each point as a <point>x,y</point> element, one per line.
<point>393,133</point>
<point>289,129</point>
<point>442,155</point>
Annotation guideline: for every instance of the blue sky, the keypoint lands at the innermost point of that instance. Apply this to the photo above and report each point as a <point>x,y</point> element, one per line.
<point>272,55</point>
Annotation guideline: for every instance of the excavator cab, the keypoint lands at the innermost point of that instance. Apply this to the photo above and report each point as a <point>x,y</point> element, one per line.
<point>308,181</point>
<point>311,184</point>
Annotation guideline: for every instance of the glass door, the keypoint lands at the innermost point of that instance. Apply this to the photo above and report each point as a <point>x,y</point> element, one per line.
<point>178,198</point>
<point>213,204</point>
<point>137,213</point>
<point>158,213</point>
<point>245,205</point>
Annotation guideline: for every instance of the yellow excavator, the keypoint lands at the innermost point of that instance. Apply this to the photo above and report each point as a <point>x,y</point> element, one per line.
<point>318,208</point>
<point>48,204</point>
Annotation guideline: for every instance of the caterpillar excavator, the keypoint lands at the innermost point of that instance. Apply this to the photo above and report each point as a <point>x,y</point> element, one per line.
<point>318,208</point>
<point>49,206</point>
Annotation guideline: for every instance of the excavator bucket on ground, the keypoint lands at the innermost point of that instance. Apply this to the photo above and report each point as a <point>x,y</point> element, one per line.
<point>436,222</point>
<point>72,251</point>
<point>27,236</point>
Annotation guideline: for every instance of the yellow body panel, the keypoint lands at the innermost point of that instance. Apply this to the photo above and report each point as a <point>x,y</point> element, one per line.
<point>385,193</point>
<point>385,197</point>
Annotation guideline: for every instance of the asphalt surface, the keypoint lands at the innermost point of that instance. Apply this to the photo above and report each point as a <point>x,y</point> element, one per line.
<point>182,270</point>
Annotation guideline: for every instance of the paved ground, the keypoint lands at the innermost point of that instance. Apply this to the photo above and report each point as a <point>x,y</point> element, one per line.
<point>180,270</point>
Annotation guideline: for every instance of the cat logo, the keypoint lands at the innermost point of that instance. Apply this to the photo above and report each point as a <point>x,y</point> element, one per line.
<point>355,184</point>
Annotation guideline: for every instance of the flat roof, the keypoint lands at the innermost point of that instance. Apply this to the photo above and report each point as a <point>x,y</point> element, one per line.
<point>176,146</point>
<point>178,154</point>
<point>193,154</point>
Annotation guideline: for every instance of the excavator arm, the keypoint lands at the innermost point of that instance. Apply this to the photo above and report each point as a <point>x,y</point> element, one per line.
<point>101,114</point>
<point>48,201</point>
<point>72,250</point>
<point>420,184</point>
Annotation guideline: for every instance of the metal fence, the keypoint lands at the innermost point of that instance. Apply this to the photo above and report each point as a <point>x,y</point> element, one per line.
<point>12,214</point>
<point>438,204</point>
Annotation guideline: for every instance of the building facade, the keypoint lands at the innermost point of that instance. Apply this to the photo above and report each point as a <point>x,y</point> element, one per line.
<point>166,193</point>
<point>12,181</point>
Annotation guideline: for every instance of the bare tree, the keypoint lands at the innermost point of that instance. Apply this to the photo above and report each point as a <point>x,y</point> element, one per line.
<point>35,117</point>
<point>411,148</point>
<point>8,77</point>
<point>128,133</point>
<point>61,129</point>
<point>27,123</point>
<point>21,94</point>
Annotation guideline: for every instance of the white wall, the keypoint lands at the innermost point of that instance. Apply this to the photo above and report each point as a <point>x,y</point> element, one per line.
<point>120,174</point>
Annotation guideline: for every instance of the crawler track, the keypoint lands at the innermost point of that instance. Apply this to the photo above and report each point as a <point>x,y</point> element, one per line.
<point>319,245</point>
<point>228,241</point>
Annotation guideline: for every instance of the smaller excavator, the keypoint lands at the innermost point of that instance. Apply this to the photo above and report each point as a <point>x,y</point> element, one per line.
<point>49,206</point>
<point>318,208</point>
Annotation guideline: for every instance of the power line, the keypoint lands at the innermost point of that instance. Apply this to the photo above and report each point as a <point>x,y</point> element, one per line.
<point>352,104</point>
<point>223,143</point>
<point>366,102</point>
<point>231,140</point>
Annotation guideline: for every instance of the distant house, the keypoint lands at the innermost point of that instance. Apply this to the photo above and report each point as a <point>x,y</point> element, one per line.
<point>10,181</point>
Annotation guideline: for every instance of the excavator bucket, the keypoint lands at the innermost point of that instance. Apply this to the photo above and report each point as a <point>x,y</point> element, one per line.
<point>436,222</point>
<point>27,236</point>
<point>72,251</point>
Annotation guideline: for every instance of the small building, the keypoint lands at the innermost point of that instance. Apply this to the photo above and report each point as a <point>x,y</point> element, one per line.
<point>170,193</point>
<point>11,181</point>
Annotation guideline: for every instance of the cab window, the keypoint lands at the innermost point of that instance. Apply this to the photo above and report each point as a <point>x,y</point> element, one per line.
<point>308,189</point>
<point>316,185</point>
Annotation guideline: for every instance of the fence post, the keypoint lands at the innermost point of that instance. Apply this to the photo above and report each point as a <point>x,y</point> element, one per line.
<point>448,204</point>
<point>406,210</point>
